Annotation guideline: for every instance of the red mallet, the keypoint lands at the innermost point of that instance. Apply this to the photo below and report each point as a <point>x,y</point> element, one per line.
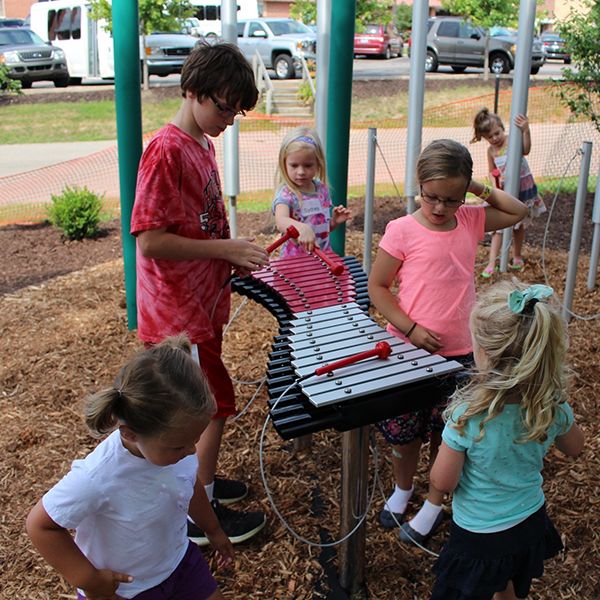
<point>290,233</point>
<point>382,350</point>
<point>336,267</point>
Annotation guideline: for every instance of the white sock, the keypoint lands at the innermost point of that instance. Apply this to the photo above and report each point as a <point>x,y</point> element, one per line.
<point>423,521</point>
<point>398,501</point>
<point>209,489</point>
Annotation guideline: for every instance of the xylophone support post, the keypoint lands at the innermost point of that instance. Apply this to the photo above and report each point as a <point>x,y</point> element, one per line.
<point>351,557</point>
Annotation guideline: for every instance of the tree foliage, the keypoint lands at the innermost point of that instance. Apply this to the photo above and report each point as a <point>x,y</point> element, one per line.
<point>485,12</point>
<point>403,18</point>
<point>581,32</point>
<point>155,15</point>
<point>367,11</point>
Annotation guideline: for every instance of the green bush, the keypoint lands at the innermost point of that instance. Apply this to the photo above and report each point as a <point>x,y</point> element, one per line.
<point>76,212</point>
<point>8,85</point>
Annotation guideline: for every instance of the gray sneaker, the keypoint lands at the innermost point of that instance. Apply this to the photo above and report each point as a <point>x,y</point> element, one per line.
<point>410,536</point>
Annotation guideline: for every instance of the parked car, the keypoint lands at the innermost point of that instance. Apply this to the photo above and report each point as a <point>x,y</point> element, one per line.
<point>166,52</point>
<point>380,40</point>
<point>280,42</point>
<point>6,22</point>
<point>459,43</point>
<point>30,59</point>
<point>555,47</point>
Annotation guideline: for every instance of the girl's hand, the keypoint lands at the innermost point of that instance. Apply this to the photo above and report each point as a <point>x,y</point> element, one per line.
<point>223,547</point>
<point>106,585</point>
<point>306,239</point>
<point>522,122</point>
<point>340,214</point>
<point>426,339</point>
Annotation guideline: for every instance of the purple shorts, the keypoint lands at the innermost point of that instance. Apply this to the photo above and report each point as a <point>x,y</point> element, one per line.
<point>191,580</point>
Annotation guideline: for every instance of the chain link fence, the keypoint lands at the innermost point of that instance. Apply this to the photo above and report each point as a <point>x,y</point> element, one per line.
<point>555,140</point>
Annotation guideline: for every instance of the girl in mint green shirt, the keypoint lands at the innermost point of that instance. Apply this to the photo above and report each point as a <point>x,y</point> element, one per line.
<point>498,429</point>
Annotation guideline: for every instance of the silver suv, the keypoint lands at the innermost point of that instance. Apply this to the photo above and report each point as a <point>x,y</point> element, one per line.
<point>28,58</point>
<point>456,42</point>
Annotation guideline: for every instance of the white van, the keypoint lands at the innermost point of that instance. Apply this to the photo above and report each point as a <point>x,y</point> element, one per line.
<point>208,12</point>
<point>89,47</point>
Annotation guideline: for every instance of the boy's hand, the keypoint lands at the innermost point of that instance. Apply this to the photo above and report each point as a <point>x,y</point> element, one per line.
<point>246,256</point>
<point>106,585</point>
<point>340,214</point>
<point>522,122</point>
<point>307,238</point>
<point>223,547</point>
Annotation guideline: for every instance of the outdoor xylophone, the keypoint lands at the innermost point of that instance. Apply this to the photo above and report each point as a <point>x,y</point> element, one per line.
<point>349,371</point>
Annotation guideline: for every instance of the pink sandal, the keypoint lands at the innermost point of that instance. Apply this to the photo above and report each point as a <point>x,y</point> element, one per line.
<point>488,272</point>
<point>517,264</point>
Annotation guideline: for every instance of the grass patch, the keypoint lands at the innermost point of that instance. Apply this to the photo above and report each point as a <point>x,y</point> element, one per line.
<point>95,120</point>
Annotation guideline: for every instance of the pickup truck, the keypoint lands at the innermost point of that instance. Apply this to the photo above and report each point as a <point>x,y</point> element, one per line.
<point>280,43</point>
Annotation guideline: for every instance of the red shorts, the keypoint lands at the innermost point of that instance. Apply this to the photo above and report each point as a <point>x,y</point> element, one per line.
<point>208,356</point>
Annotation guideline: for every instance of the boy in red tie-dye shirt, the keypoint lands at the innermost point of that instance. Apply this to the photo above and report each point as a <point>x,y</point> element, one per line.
<point>184,250</point>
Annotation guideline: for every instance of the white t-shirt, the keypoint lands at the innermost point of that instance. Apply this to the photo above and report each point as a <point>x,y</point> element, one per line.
<point>129,515</point>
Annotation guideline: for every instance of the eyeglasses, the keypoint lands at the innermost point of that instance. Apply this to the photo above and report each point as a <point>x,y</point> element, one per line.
<point>433,200</point>
<point>225,110</point>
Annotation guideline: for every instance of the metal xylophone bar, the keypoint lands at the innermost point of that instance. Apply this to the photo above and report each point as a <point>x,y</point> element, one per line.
<point>334,324</point>
<point>357,394</point>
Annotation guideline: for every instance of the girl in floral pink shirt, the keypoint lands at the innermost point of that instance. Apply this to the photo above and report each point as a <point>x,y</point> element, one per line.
<point>303,199</point>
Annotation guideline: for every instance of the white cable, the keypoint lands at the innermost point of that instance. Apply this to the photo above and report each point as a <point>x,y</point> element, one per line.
<point>270,496</point>
<point>249,403</point>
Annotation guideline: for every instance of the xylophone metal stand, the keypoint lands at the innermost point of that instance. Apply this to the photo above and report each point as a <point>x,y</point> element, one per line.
<point>304,442</point>
<point>355,460</point>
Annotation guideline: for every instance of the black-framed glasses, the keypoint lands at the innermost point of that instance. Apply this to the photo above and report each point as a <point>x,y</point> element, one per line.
<point>433,200</point>
<point>225,110</point>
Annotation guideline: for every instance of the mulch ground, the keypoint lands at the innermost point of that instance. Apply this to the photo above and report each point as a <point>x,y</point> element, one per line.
<point>64,333</point>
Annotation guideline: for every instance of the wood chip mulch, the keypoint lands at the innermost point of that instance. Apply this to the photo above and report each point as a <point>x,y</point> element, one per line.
<point>67,335</point>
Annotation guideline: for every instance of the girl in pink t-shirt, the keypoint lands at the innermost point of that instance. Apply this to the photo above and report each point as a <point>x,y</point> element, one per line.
<point>302,199</point>
<point>431,254</point>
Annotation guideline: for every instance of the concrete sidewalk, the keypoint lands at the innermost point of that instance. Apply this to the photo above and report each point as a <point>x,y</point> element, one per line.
<point>20,158</point>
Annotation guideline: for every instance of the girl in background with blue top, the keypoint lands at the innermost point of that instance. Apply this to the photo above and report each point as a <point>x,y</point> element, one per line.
<point>499,428</point>
<point>302,199</point>
<point>128,500</point>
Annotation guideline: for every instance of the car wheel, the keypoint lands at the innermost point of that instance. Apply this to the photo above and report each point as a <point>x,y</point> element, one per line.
<point>61,83</point>
<point>459,69</point>
<point>431,62</point>
<point>535,70</point>
<point>567,61</point>
<point>25,84</point>
<point>387,54</point>
<point>499,64</point>
<point>284,67</point>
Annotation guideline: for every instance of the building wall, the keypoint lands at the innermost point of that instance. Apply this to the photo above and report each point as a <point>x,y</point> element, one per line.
<point>15,8</point>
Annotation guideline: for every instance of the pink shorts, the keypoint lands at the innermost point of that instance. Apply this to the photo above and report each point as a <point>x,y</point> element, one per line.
<point>208,356</point>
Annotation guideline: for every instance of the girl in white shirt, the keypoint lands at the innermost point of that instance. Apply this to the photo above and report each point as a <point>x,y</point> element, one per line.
<point>128,499</point>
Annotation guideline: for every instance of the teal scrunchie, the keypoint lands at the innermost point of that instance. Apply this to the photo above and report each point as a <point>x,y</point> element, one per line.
<point>517,300</point>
